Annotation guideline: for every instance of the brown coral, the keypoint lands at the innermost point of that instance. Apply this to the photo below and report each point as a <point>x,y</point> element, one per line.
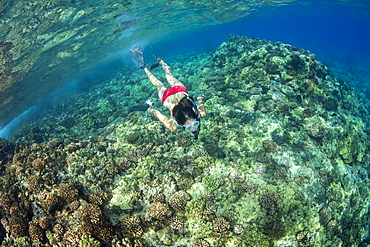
<point>269,146</point>
<point>268,200</point>
<point>200,243</point>
<point>183,140</point>
<point>48,201</point>
<point>36,233</point>
<point>6,200</point>
<point>178,200</point>
<point>132,225</point>
<point>99,197</point>
<point>38,164</point>
<point>138,243</point>
<point>220,225</point>
<point>43,222</point>
<point>73,206</point>
<point>176,223</point>
<point>159,211</point>
<point>58,232</point>
<point>159,197</point>
<point>123,163</point>
<point>209,209</point>
<point>33,184</point>
<point>104,232</point>
<point>250,187</point>
<point>71,239</point>
<point>17,227</point>
<point>68,192</point>
<point>88,212</point>
<point>71,147</point>
<point>6,151</point>
<point>92,221</point>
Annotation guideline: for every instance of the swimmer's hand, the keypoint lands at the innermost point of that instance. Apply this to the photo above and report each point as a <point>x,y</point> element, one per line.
<point>200,107</point>
<point>151,110</point>
<point>200,99</point>
<point>167,122</point>
<point>149,102</point>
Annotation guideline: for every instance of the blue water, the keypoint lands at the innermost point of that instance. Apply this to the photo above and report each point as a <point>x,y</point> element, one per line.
<point>330,30</point>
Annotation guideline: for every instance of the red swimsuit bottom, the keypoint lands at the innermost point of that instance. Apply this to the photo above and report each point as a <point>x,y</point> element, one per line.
<point>173,90</point>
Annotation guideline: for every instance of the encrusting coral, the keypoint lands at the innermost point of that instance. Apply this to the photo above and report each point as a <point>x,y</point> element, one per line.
<point>282,159</point>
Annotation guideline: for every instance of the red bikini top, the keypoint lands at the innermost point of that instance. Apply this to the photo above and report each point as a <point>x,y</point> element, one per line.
<point>173,90</point>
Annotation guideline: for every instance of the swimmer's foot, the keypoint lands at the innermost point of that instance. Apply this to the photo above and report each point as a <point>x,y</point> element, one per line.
<point>156,64</point>
<point>137,53</point>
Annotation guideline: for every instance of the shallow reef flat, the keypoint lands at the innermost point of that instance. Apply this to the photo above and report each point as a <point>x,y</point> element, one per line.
<point>282,160</point>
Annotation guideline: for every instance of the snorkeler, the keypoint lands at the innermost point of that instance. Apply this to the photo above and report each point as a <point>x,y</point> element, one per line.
<point>184,112</point>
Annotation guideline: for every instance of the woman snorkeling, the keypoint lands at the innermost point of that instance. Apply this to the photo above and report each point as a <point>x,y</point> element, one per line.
<point>184,112</point>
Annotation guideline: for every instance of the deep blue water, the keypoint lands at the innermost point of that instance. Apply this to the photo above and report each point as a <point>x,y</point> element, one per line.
<point>330,30</point>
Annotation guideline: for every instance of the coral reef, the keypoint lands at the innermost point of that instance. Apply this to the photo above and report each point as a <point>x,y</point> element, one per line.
<point>282,160</point>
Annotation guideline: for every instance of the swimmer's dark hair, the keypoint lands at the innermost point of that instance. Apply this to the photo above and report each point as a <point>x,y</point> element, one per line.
<point>184,110</point>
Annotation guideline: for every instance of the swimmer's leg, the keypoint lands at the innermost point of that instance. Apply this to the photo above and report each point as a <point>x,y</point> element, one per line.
<point>157,83</point>
<point>169,76</point>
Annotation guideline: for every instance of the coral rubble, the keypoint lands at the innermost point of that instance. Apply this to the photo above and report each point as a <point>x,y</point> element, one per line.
<point>282,160</point>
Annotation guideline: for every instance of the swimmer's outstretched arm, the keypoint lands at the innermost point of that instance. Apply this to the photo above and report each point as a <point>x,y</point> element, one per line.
<point>167,122</point>
<point>200,107</point>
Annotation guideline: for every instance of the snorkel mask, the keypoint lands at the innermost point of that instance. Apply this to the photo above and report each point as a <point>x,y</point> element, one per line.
<point>194,126</point>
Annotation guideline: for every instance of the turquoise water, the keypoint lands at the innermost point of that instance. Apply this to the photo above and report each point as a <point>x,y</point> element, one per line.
<point>282,157</point>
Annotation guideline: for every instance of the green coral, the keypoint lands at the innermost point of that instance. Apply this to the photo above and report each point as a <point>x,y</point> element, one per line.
<point>353,147</point>
<point>21,242</point>
<point>88,241</point>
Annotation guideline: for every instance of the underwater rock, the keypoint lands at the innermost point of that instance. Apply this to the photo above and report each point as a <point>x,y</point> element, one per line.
<point>269,146</point>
